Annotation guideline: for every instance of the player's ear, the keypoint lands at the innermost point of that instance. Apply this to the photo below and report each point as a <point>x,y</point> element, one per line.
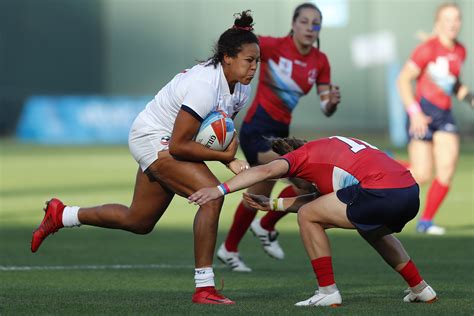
<point>227,60</point>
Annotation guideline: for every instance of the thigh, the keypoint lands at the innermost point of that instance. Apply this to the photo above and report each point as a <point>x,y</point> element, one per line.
<point>327,209</point>
<point>181,177</point>
<point>421,159</point>
<point>446,154</point>
<point>150,198</point>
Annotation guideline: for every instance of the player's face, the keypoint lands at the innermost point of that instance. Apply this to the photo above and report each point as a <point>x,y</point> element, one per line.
<point>305,25</point>
<point>243,67</point>
<point>448,23</point>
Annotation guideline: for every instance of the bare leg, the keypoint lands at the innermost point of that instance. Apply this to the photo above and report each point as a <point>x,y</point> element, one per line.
<point>389,247</point>
<point>421,160</point>
<point>184,178</point>
<point>314,216</point>
<point>150,201</point>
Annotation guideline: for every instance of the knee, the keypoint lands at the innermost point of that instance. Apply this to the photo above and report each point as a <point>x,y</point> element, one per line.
<point>139,225</point>
<point>304,217</point>
<point>214,206</point>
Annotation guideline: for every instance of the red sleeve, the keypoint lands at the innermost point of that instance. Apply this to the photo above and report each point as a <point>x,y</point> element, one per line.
<point>296,160</point>
<point>267,45</point>
<point>422,55</point>
<point>324,72</point>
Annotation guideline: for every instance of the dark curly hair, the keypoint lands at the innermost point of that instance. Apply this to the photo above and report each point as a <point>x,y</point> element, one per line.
<point>230,42</point>
<point>282,146</point>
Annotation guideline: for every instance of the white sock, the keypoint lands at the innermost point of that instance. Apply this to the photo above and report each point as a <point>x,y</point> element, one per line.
<point>70,218</point>
<point>204,277</point>
<point>328,289</point>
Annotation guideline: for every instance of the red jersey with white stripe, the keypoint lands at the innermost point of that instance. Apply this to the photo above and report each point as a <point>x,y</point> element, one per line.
<point>285,76</point>
<point>440,68</point>
<point>338,162</point>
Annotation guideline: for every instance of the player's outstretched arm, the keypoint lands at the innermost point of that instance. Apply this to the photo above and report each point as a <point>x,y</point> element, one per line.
<point>291,204</point>
<point>245,179</point>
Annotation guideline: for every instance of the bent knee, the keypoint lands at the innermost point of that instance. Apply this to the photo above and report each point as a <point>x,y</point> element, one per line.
<point>214,204</point>
<point>140,226</point>
<point>304,216</point>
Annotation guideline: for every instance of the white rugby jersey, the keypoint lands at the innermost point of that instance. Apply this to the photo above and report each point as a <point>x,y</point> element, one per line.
<point>200,90</point>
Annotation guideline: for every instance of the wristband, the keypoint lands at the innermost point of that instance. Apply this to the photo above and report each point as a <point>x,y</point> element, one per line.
<point>277,204</point>
<point>223,188</point>
<point>324,104</point>
<point>413,109</point>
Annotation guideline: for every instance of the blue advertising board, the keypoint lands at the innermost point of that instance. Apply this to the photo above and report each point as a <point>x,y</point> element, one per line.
<point>78,119</point>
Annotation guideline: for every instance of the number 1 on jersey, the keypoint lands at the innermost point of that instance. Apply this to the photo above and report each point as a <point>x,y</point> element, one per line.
<point>355,147</point>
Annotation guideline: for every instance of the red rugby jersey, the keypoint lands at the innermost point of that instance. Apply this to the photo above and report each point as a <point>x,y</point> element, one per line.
<point>285,76</point>
<point>440,68</point>
<point>338,162</point>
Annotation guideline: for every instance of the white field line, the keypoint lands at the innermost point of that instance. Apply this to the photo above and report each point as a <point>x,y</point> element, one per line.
<point>100,267</point>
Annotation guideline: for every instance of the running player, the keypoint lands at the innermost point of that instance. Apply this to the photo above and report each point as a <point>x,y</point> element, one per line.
<point>291,66</point>
<point>362,188</point>
<point>434,140</point>
<point>170,162</point>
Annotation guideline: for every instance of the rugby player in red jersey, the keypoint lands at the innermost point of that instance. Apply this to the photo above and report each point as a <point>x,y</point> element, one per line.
<point>362,188</point>
<point>434,140</point>
<point>290,67</point>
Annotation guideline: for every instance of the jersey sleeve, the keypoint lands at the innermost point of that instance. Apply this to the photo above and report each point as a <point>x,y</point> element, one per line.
<point>200,98</point>
<point>421,56</point>
<point>324,73</point>
<point>296,160</point>
<point>267,45</point>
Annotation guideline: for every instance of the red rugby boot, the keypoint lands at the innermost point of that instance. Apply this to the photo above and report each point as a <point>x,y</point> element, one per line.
<point>51,223</point>
<point>209,295</point>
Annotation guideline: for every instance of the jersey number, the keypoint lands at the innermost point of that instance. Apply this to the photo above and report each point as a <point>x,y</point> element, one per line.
<point>355,147</point>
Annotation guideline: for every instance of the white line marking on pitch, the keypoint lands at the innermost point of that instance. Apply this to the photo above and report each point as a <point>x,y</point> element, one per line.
<point>100,267</point>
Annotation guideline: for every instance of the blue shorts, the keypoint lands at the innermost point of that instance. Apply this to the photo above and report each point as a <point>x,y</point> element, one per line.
<point>370,209</point>
<point>255,136</point>
<point>442,120</point>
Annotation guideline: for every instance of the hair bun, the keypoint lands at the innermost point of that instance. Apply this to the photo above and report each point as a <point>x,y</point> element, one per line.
<point>243,21</point>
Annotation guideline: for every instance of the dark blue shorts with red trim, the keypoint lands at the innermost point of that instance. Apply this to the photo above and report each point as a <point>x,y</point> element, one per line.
<point>256,135</point>
<point>441,120</point>
<point>370,209</point>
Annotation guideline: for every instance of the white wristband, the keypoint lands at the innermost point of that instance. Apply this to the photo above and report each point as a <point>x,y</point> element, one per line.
<point>324,105</point>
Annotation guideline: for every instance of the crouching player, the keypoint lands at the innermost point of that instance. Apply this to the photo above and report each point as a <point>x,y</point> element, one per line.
<point>362,188</point>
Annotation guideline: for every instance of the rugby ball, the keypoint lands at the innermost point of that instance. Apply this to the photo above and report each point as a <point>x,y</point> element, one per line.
<point>216,131</point>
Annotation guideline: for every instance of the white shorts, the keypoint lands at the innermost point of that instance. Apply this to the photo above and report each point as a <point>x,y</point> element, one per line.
<point>145,142</point>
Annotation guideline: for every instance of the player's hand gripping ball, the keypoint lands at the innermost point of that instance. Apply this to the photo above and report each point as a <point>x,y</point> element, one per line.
<point>216,131</point>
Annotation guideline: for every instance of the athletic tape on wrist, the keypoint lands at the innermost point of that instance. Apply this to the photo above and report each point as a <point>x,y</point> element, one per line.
<point>277,205</point>
<point>324,105</point>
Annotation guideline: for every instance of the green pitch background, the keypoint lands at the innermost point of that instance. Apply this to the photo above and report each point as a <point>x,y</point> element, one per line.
<point>77,271</point>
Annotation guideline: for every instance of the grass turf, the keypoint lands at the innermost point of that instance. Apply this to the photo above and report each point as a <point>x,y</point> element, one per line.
<point>83,270</point>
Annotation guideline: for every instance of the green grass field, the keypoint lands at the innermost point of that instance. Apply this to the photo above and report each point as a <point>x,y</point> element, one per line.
<point>89,270</point>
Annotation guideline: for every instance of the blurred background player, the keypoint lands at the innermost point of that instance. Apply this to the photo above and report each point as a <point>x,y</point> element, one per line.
<point>434,140</point>
<point>170,161</point>
<point>362,188</point>
<point>291,65</point>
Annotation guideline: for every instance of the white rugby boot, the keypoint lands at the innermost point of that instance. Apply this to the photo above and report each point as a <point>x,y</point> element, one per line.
<point>320,299</point>
<point>427,295</point>
<point>268,239</point>
<point>232,260</point>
